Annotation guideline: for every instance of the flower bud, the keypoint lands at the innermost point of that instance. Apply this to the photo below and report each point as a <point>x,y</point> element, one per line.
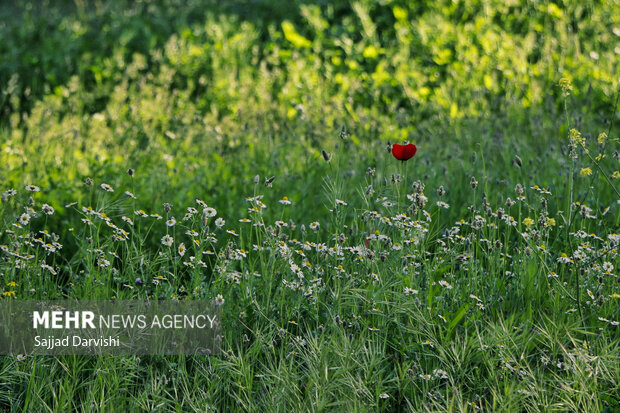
<point>327,157</point>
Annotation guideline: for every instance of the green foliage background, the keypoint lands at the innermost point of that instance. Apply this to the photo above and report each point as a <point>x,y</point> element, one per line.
<point>90,89</point>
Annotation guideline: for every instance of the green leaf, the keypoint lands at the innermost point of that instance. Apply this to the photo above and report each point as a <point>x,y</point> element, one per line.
<point>458,317</point>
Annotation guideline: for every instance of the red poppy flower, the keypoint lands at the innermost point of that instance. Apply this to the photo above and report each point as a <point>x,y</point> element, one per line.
<point>404,152</point>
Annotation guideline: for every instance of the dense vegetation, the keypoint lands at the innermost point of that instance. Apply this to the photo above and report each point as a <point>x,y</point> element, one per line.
<point>241,151</point>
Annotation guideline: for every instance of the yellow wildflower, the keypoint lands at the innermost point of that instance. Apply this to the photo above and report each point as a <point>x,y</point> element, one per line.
<point>576,138</point>
<point>566,86</point>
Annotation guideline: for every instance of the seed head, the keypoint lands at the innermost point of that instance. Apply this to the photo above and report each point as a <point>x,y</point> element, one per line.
<point>418,187</point>
<point>420,200</point>
<point>269,181</point>
<point>441,191</point>
<point>519,189</point>
<point>130,172</point>
<point>500,213</point>
<point>473,183</point>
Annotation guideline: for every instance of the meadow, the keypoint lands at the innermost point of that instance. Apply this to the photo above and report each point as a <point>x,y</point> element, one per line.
<point>243,152</point>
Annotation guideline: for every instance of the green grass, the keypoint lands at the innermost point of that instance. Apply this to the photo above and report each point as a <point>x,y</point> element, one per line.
<point>502,297</point>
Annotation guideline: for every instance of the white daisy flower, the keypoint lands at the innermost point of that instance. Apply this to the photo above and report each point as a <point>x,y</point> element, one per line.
<point>209,212</point>
<point>167,240</point>
<point>107,188</point>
